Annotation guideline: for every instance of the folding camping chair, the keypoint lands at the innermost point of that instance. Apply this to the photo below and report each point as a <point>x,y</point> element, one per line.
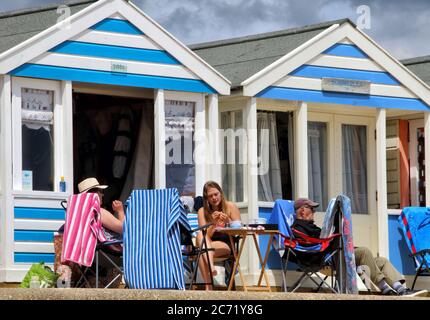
<point>311,254</point>
<point>194,253</point>
<point>109,250</point>
<point>415,223</point>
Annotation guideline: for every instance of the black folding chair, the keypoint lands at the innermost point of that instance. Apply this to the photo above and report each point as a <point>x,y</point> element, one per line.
<point>110,252</point>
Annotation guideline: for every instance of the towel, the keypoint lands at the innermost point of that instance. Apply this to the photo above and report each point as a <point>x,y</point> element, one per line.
<point>343,203</point>
<point>283,215</point>
<point>415,223</point>
<point>82,229</point>
<point>152,247</point>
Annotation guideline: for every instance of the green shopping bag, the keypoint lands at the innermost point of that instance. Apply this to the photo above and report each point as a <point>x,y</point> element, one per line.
<point>47,277</point>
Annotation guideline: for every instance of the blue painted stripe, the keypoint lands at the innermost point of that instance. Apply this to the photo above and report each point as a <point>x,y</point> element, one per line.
<point>343,98</point>
<point>399,251</point>
<point>34,235</point>
<point>346,50</point>
<point>104,77</point>
<point>23,257</point>
<point>309,71</point>
<point>39,213</point>
<point>114,52</point>
<point>115,25</point>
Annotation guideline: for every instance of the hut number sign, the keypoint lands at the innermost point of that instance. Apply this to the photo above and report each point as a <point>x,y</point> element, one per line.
<point>118,67</point>
<point>345,85</point>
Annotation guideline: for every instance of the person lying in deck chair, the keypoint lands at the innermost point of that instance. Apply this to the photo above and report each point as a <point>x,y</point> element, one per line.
<point>382,272</point>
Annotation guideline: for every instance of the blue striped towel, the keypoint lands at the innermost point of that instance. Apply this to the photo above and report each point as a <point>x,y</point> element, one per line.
<point>152,246</point>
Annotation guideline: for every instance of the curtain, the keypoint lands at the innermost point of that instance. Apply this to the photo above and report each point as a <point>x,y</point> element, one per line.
<point>317,163</point>
<point>354,175</point>
<point>227,177</point>
<point>269,173</point>
<point>232,148</point>
<point>180,166</point>
<point>140,173</point>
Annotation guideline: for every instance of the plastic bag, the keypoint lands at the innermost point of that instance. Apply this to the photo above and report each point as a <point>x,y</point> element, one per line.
<point>47,277</point>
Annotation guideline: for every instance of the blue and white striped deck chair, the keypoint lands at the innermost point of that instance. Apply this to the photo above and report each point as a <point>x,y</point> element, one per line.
<point>194,224</point>
<point>152,246</point>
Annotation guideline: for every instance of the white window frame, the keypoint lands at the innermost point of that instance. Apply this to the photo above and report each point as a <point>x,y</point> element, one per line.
<point>17,84</point>
<point>275,107</point>
<point>328,119</point>
<point>233,110</point>
<point>199,124</point>
<point>339,120</point>
<point>414,125</point>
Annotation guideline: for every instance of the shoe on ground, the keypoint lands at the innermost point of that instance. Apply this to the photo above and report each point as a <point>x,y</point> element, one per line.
<point>414,293</point>
<point>390,292</point>
<point>364,271</point>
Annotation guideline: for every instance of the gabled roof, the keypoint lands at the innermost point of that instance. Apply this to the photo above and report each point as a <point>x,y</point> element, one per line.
<point>19,56</point>
<point>18,26</point>
<point>240,58</point>
<point>420,66</point>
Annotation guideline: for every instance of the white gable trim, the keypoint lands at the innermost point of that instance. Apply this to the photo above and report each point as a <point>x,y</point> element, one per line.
<point>390,64</point>
<point>332,35</point>
<point>292,60</point>
<point>56,34</point>
<point>96,12</point>
<point>172,45</point>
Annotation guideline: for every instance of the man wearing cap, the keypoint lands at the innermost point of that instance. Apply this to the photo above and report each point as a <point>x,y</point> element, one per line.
<point>304,222</point>
<point>382,272</point>
<point>109,221</point>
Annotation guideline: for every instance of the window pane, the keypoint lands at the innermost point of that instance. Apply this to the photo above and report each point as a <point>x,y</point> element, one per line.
<point>180,166</point>
<point>233,166</point>
<point>275,154</point>
<point>317,163</point>
<point>37,142</point>
<point>354,176</point>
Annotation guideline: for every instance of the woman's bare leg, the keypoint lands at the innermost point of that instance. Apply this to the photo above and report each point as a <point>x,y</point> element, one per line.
<point>203,264</point>
<point>221,249</point>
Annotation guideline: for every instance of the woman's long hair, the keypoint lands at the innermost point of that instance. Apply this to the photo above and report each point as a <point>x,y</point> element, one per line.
<point>207,207</point>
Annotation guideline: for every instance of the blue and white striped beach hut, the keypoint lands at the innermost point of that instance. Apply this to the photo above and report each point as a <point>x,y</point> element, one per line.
<point>88,58</point>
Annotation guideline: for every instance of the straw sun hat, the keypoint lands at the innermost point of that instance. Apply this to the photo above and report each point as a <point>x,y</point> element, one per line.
<point>90,183</point>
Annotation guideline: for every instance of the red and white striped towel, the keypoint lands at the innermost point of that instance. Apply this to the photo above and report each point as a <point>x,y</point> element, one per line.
<point>82,229</point>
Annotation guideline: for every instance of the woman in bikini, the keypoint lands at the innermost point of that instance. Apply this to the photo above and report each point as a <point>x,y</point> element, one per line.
<point>217,210</point>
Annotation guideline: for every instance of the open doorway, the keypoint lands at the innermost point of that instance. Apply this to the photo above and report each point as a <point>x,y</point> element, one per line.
<point>113,140</point>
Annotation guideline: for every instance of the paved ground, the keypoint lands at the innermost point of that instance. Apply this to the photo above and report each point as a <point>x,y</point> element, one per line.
<point>127,294</point>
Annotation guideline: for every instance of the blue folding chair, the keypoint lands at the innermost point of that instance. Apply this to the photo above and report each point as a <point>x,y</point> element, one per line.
<point>415,223</point>
<point>152,244</point>
<point>310,254</point>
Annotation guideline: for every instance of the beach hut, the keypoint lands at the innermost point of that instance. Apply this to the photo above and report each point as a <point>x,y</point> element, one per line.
<point>93,88</point>
<point>326,111</point>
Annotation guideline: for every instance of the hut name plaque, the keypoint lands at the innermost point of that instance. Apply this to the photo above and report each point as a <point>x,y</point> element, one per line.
<point>118,67</point>
<point>345,85</point>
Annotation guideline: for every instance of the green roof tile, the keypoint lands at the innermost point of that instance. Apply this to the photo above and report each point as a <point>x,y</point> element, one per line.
<point>18,26</point>
<point>239,58</point>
